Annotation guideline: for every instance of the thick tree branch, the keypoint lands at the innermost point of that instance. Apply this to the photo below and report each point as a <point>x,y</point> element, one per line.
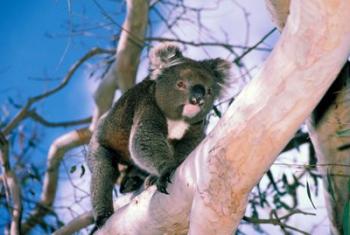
<point>211,187</point>
<point>78,223</point>
<point>330,117</point>
<point>122,73</point>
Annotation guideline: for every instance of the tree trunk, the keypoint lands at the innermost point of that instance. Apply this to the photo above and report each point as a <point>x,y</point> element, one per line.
<point>329,119</point>
<point>210,189</point>
<point>331,116</point>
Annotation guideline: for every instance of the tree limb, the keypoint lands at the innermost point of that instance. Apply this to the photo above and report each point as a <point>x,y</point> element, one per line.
<point>23,113</point>
<point>12,188</point>
<point>38,118</point>
<point>122,73</point>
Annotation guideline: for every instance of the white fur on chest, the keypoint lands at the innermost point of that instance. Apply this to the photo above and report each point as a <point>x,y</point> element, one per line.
<point>176,128</point>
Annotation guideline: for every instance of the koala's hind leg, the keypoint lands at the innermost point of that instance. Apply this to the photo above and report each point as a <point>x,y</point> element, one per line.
<point>104,172</point>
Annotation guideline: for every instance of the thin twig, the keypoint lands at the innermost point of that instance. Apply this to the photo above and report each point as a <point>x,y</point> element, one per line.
<point>13,191</point>
<point>36,117</point>
<point>23,113</point>
<point>200,44</point>
<point>238,59</point>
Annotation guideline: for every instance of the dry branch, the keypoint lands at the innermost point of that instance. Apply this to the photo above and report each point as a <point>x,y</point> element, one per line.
<point>24,112</point>
<point>13,191</point>
<point>210,189</point>
<point>57,150</point>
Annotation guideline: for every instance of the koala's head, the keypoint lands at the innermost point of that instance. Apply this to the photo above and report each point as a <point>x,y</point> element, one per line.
<point>185,88</point>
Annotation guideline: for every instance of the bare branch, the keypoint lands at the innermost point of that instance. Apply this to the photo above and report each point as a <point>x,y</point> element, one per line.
<point>212,44</point>
<point>122,73</point>
<point>78,223</point>
<point>36,117</point>
<point>238,59</point>
<point>278,220</point>
<point>13,191</point>
<point>23,113</point>
<point>57,150</point>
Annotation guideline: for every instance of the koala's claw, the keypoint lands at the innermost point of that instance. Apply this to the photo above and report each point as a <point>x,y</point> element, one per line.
<point>162,184</point>
<point>162,188</point>
<point>164,179</point>
<point>150,180</point>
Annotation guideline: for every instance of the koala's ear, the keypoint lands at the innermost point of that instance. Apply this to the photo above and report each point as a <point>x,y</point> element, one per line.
<point>163,55</point>
<point>221,69</point>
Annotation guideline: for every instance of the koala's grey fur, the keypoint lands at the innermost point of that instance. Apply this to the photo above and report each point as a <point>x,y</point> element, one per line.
<point>155,124</point>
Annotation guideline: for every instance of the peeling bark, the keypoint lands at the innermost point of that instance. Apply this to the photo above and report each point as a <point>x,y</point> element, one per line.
<point>210,189</point>
<point>279,11</point>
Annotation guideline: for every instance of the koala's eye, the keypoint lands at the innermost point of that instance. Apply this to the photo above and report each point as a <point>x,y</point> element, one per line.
<point>210,92</point>
<point>181,85</point>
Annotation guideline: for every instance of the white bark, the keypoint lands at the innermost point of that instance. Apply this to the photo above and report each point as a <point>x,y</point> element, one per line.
<point>210,189</point>
<point>122,73</point>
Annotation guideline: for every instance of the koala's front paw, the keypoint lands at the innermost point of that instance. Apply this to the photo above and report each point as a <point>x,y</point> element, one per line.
<point>164,179</point>
<point>150,180</point>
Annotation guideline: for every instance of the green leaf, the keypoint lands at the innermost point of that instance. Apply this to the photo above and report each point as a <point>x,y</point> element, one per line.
<point>346,218</point>
<point>73,169</point>
<point>329,185</point>
<point>343,133</point>
<point>309,194</point>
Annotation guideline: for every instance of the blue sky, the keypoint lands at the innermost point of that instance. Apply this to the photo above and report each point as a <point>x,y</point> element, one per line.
<point>36,52</point>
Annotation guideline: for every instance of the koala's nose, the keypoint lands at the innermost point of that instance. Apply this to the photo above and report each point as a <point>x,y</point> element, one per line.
<point>197,94</point>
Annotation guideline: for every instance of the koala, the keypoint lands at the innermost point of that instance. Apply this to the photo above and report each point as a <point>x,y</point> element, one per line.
<point>155,124</point>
